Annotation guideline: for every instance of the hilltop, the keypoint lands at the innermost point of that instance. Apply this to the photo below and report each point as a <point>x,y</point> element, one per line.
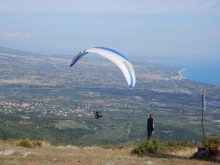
<point>71,155</point>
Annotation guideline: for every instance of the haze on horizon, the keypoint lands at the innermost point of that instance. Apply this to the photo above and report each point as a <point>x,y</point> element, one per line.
<point>160,29</point>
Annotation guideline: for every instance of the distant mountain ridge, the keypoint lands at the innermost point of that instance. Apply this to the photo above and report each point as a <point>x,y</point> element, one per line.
<point>17,52</point>
<point>29,53</point>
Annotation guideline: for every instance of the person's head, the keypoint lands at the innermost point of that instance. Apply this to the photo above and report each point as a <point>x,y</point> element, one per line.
<point>151,115</point>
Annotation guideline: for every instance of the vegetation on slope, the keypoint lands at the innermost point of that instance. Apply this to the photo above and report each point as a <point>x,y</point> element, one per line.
<point>155,145</point>
<point>49,154</point>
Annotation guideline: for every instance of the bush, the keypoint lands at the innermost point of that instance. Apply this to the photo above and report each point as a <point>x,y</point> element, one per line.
<point>25,143</point>
<point>148,146</point>
<point>29,144</point>
<point>185,143</point>
<point>212,143</point>
<point>172,144</point>
<point>37,143</point>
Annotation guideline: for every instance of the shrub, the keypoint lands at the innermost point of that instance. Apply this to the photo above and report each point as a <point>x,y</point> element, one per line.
<point>29,144</point>
<point>147,146</point>
<point>172,144</point>
<point>212,143</point>
<point>185,143</point>
<point>37,143</point>
<point>25,143</point>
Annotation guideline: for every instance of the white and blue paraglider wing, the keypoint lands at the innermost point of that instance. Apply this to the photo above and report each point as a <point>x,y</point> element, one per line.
<point>117,58</point>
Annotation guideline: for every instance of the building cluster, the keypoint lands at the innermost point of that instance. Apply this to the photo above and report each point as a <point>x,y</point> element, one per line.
<point>50,109</point>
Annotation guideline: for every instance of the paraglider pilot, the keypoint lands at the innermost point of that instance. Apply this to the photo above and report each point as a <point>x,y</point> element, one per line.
<point>98,115</point>
<point>150,126</point>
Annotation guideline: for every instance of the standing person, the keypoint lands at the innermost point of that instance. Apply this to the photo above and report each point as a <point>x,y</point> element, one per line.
<point>150,126</point>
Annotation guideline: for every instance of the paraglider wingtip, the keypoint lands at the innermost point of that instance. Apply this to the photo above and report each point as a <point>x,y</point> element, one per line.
<point>71,64</point>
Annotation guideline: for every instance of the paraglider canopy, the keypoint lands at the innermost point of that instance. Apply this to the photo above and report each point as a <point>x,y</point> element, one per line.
<point>117,58</point>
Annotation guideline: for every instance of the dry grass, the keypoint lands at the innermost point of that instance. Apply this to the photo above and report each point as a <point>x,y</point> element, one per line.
<point>71,155</point>
<point>187,153</point>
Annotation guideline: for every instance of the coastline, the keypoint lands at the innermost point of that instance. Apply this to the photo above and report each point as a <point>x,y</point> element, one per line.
<point>181,74</point>
<point>205,71</point>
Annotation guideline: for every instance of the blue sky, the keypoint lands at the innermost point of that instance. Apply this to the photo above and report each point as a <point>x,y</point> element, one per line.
<point>151,28</point>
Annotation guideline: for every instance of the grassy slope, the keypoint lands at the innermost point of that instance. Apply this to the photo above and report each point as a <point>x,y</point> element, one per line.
<point>91,156</point>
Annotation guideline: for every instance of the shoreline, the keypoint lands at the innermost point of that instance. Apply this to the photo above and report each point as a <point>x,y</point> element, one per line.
<point>181,74</point>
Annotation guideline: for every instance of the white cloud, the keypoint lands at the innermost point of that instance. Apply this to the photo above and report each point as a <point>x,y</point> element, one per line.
<point>14,34</point>
<point>27,35</point>
<point>111,7</point>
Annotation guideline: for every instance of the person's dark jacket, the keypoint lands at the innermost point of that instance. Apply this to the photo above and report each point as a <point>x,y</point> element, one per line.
<point>150,125</point>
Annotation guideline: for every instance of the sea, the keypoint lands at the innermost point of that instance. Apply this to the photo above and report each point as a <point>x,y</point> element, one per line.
<point>205,71</point>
